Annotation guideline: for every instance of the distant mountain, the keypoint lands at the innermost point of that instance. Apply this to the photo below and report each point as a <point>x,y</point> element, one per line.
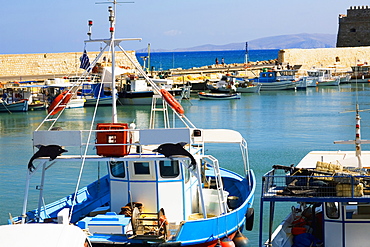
<point>303,41</point>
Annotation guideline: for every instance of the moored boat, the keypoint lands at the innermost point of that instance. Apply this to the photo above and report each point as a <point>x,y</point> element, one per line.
<point>218,96</point>
<point>162,187</point>
<point>272,80</point>
<point>19,106</point>
<point>324,77</point>
<point>332,191</point>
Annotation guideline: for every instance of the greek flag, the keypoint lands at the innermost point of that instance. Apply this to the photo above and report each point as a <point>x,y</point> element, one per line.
<point>85,62</point>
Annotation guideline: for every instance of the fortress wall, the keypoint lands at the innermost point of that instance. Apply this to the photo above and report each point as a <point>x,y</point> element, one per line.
<point>51,63</point>
<point>342,58</point>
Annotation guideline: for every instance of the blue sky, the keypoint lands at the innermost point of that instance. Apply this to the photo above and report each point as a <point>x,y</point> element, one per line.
<point>41,26</point>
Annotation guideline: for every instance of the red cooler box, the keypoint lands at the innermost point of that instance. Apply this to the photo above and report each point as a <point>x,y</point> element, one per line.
<point>112,137</point>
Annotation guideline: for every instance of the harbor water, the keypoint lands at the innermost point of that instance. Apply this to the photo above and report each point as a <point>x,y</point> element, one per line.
<point>280,127</point>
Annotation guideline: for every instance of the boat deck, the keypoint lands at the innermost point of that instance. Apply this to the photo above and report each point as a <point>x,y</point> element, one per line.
<point>313,186</point>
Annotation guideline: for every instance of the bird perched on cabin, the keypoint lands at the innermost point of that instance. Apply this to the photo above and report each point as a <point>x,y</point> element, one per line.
<point>170,150</point>
<point>51,151</point>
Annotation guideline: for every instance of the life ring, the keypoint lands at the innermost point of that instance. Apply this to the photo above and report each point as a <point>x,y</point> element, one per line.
<point>59,102</point>
<point>172,101</point>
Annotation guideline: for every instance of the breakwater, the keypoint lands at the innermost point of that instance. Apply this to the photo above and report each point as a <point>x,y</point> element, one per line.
<point>342,58</point>
<point>34,66</point>
<point>17,67</point>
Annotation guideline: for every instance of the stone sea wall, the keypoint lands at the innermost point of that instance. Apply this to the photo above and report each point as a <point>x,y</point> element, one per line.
<point>51,63</point>
<point>341,58</point>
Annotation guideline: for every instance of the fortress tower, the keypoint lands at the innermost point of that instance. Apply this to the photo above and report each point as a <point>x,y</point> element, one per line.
<point>354,28</point>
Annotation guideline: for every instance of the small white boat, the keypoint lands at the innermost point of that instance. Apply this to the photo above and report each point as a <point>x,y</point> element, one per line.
<point>225,85</point>
<point>218,96</point>
<point>324,77</point>
<point>75,103</point>
<point>333,194</point>
<point>304,82</point>
<point>248,88</point>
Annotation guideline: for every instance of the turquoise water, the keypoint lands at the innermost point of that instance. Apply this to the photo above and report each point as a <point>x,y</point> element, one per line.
<point>280,127</point>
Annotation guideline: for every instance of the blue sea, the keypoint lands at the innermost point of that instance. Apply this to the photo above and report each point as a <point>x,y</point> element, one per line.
<point>281,127</point>
<point>186,60</point>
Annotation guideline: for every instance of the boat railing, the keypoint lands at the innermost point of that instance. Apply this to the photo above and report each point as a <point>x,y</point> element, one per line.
<point>115,138</point>
<point>278,185</point>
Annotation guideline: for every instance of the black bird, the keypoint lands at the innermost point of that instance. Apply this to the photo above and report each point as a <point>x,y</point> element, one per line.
<point>175,149</point>
<point>51,151</point>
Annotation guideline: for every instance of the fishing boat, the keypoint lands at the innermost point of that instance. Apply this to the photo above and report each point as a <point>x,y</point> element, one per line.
<point>324,77</point>
<point>138,91</point>
<point>247,87</point>
<point>225,85</point>
<point>272,80</point>
<point>19,106</point>
<point>94,93</point>
<point>163,186</point>
<point>218,96</point>
<point>360,73</point>
<point>333,195</point>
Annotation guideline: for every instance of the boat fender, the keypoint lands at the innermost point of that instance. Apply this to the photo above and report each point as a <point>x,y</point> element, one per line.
<point>227,242</point>
<point>240,240</point>
<point>249,218</point>
<point>172,101</point>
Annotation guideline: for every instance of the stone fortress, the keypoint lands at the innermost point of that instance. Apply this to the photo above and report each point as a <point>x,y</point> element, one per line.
<point>353,47</point>
<point>354,28</point>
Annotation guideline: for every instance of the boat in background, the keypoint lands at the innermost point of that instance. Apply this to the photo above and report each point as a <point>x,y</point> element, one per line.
<point>138,91</point>
<point>94,93</point>
<point>272,80</point>
<point>333,194</point>
<point>230,84</point>
<point>225,85</point>
<point>324,77</point>
<point>18,106</point>
<point>218,96</point>
<point>244,86</point>
<point>162,187</point>
<point>360,73</point>
<point>304,82</point>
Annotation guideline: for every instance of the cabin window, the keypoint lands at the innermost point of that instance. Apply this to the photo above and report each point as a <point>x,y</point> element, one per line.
<point>169,168</point>
<point>332,210</point>
<point>117,169</point>
<point>141,168</point>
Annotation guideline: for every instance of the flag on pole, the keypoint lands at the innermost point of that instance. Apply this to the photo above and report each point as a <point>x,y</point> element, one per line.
<point>85,62</point>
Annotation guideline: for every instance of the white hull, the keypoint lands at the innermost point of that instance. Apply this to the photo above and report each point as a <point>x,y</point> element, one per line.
<point>249,89</point>
<point>278,85</point>
<point>76,103</point>
<point>102,101</point>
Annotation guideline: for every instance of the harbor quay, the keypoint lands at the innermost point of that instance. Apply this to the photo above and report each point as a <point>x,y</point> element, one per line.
<point>41,66</point>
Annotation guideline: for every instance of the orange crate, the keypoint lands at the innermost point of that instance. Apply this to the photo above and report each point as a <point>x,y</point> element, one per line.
<point>112,137</point>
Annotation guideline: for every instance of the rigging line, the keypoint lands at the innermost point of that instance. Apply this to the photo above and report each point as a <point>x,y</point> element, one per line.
<point>83,159</point>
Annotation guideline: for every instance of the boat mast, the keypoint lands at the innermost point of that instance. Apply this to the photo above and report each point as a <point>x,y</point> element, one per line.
<point>246,53</point>
<point>112,21</point>
<point>357,140</point>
